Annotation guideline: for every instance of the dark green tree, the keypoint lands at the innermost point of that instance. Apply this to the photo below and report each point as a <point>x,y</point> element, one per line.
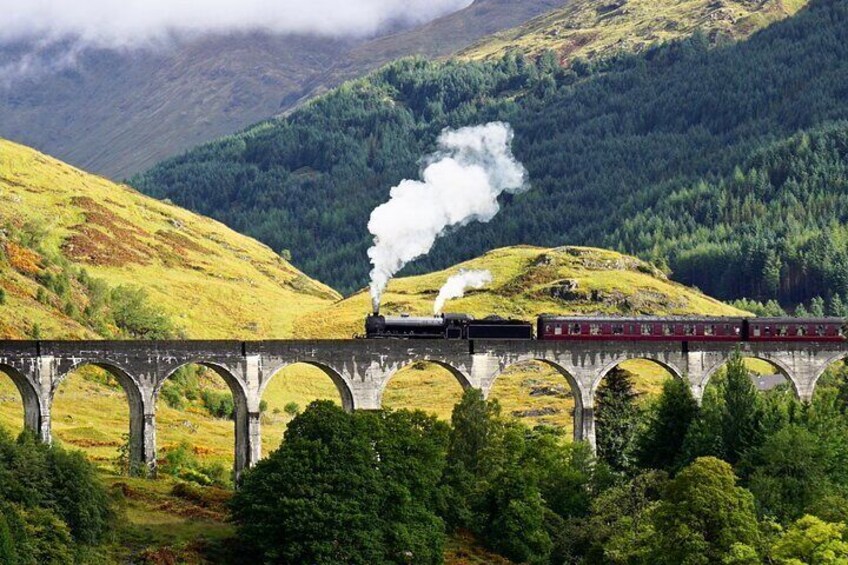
<point>616,416</point>
<point>741,414</point>
<point>703,515</point>
<point>660,444</point>
<point>789,472</point>
<point>336,491</point>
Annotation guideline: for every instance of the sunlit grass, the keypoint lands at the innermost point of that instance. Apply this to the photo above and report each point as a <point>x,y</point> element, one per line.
<point>583,28</point>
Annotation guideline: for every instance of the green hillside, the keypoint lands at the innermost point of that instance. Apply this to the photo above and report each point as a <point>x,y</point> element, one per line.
<point>591,29</point>
<point>602,142</point>
<point>526,282</point>
<point>83,257</point>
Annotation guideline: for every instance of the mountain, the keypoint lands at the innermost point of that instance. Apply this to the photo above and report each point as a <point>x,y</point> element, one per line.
<point>603,141</point>
<point>526,282</point>
<point>119,112</point>
<point>82,257</point>
<point>592,29</point>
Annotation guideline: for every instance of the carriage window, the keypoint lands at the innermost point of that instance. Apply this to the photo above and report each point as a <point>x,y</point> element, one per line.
<point>767,330</point>
<point>709,330</point>
<point>617,329</point>
<point>756,331</point>
<point>558,330</point>
<point>819,330</point>
<point>800,331</point>
<point>646,329</point>
<point>689,329</point>
<point>575,329</point>
<point>595,329</point>
<point>781,331</point>
<point>737,330</point>
<point>666,329</point>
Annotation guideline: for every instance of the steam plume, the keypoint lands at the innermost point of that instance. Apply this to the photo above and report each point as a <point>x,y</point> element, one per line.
<point>460,184</point>
<point>456,285</point>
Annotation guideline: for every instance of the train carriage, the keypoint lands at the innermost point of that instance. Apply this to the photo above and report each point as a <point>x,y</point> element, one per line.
<point>796,329</point>
<point>645,328</point>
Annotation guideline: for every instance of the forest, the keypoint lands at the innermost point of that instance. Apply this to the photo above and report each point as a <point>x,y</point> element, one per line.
<point>694,154</point>
<point>745,477</point>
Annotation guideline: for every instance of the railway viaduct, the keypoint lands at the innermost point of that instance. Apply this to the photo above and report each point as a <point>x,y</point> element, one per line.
<point>361,369</point>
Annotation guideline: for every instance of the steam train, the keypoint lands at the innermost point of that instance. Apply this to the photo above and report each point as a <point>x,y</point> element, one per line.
<point>587,328</point>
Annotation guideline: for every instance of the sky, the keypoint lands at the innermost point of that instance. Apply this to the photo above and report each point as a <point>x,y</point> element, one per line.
<point>129,23</point>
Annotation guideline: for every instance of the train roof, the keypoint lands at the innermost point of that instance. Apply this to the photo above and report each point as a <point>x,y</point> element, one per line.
<point>805,320</point>
<point>641,318</point>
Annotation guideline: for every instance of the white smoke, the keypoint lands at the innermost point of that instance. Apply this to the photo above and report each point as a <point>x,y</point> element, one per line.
<point>460,184</point>
<point>456,285</point>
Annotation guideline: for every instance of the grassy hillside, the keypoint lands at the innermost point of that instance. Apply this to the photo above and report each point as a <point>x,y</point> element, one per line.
<point>591,29</point>
<point>528,281</point>
<point>205,279</point>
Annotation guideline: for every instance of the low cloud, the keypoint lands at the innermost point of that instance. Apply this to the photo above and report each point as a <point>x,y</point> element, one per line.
<point>40,37</point>
<point>128,23</point>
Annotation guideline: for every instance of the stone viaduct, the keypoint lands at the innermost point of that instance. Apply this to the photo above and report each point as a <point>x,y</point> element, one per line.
<point>361,369</point>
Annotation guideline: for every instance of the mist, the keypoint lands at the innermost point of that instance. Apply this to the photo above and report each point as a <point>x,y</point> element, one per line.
<point>460,184</point>
<point>124,23</point>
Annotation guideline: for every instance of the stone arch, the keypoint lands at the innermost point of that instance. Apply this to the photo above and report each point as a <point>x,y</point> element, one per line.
<point>458,376</point>
<point>674,371</point>
<point>342,385</point>
<point>29,398</point>
<point>820,370</point>
<point>579,416</point>
<point>775,362</point>
<point>243,447</point>
<point>138,450</point>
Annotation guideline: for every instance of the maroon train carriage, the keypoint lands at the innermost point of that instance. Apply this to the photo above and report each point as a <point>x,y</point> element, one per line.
<point>796,329</point>
<point>644,328</point>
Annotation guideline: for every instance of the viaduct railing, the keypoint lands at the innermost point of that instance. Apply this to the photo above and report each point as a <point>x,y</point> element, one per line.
<point>361,369</point>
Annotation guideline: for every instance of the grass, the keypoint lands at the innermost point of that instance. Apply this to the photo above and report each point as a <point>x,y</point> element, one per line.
<point>592,29</point>
<point>211,281</point>
<point>527,281</point>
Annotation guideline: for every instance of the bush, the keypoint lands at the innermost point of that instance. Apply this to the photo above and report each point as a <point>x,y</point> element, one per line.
<point>181,462</point>
<point>135,317</point>
<point>52,503</point>
<point>218,404</point>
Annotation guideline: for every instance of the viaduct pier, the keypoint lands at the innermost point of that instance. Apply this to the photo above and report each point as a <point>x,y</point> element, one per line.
<point>361,369</point>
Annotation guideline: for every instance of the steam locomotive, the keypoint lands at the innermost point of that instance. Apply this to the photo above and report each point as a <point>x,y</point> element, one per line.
<point>586,328</point>
<point>446,326</point>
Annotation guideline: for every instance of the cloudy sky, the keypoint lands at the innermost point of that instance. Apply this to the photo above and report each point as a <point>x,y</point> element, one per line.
<point>127,23</point>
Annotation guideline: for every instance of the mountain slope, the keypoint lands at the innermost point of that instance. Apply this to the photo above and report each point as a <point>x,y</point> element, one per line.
<point>602,142</point>
<point>119,112</point>
<point>528,281</point>
<point>591,29</point>
<point>200,278</point>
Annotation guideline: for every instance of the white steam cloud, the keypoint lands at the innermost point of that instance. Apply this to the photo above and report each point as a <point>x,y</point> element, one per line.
<point>460,184</point>
<point>457,284</point>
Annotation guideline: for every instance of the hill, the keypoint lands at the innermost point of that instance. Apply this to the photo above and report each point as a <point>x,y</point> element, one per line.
<point>119,112</point>
<point>526,282</point>
<point>82,257</point>
<point>591,29</point>
<point>602,141</point>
